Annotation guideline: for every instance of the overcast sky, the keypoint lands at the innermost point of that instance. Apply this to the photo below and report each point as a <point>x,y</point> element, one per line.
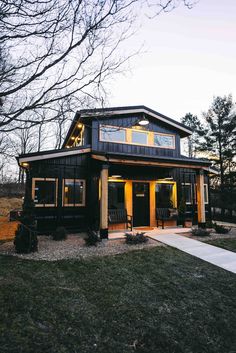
<point>190,56</point>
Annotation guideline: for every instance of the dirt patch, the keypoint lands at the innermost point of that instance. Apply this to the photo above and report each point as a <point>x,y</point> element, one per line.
<point>74,247</point>
<point>9,203</point>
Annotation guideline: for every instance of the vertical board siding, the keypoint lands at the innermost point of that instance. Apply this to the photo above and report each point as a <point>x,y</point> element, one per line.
<point>129,121</point>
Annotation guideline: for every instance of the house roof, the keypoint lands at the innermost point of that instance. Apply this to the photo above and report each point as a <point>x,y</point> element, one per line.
<point>105,112</point>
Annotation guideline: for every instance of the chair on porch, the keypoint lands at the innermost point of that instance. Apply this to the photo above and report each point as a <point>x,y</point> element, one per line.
<point>116,216</point>
<point>163,214</point>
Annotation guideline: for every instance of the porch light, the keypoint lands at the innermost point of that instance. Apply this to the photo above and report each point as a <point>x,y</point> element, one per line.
<point>80,125</point>
<point>72,137</point>
<point>143,121</point>
<point>169,178</point>
<point>24,164</point>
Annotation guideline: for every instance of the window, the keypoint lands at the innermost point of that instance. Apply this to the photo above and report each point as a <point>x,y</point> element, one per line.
<point>206,194</point>
<point>165,195</point>
<point>206,197</point>
<point>116,195</point>
<point>44,192</point>
<point>164,140</point>
<point>187,193</point>
<point>139,137</point>
<point>73,192</point>
<point>112,134</point>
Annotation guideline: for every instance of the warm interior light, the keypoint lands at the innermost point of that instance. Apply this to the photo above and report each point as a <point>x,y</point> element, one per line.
<point>25,164</point>
<point>72,137</point>
<point>116,176</point>
<point>79,125</point>
<point>168,178</point>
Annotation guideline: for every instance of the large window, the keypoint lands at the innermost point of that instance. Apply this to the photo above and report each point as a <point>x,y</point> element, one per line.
<point>164,140</point>
<point>187,193</point>
<point>136,137</point>
<point>44,192</point>
<point>165,195</point>
<point>116,195</point>
<point>112,134</point>
<point>73,192</point>
<point>140,137</point>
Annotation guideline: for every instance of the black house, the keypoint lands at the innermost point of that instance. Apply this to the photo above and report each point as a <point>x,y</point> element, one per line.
<point>125,158</point>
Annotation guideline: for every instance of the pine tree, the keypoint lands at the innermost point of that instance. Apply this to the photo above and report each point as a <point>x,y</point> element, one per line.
<point>195,125</point>
<point>219,142</point>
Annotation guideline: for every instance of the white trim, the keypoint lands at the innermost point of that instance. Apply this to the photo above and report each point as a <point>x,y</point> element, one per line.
<point>191,193</point>
<point>53,155</point>
<point>120,112</point>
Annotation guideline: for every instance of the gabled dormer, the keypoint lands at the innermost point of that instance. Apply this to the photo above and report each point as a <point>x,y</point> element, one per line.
<point>134,130</point>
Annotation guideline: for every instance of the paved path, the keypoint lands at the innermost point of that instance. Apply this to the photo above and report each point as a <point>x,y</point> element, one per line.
<point>216,256</point>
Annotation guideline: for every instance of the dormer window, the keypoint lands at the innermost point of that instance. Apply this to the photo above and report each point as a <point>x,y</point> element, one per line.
<point>140,137</point>
<point>164,140</point>
<point>112,134</point>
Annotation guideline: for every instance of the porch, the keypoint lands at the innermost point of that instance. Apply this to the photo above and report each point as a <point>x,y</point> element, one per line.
<point>140,191</point>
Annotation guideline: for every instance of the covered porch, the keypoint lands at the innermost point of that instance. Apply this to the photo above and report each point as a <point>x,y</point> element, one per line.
<point>140,189</point>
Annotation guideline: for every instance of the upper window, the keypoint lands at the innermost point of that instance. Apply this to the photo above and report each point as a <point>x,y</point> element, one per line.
<point>112,134</point>
<point>44,192</point>
<point>136,137</point>
<point>74,192</point>
<point>164,140</point>
<point>139,137</point>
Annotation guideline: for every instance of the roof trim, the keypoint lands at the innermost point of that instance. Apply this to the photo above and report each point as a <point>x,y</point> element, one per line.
<point>53,154</point>
<point>134,109</point>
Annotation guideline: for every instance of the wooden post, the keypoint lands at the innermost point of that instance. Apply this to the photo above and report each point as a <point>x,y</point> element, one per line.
<point>104,202</point>
<point>200,200</point>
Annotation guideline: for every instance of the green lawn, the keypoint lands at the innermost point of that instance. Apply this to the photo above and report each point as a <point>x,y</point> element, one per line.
<point>229,244</point>
<point>159,300</point>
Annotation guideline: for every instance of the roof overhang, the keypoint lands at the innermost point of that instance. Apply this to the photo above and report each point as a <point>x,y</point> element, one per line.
<point>152,162</point>
<point>31,157</point>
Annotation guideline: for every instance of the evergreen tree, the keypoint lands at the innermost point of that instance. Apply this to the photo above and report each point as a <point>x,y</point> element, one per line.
<point>219,141</point>
<point>195,125</point>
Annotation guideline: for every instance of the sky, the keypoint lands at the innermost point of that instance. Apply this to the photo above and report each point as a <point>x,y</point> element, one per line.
<point>188,57</point>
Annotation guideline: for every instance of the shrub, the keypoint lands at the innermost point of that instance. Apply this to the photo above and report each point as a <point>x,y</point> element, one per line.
<point>26,236</point>
<point>200,232</point>
<point>137,238</point>
<point>221,229</point>
<point>92,238</point>
<point>59,234</point>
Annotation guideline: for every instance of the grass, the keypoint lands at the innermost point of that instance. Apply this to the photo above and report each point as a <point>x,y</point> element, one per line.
<point>159,300</point>
<point>228,244</point>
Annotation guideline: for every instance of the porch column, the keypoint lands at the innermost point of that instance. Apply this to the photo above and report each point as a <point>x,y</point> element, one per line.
<point>104,202</point>
<point>200,200</point>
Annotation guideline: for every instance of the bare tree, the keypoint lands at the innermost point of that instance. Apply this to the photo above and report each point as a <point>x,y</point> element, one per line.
<point>54,49</point>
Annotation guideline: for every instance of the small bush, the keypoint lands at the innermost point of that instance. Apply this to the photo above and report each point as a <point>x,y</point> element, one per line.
<point>200,232</point>
<point>59,234</point>
<point>221,229</point>
<point>25,240</point>
<point>92,238</point>
<point>137,238</point>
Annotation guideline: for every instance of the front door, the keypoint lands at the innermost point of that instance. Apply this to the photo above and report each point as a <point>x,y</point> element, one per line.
<point>141,207</point>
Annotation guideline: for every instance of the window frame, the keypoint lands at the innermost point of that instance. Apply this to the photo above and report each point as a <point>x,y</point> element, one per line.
<point>147,133</point>
<point>111,127</point>
<point>33,192</point>
<point>206,202</point>
<point>191,193</point>
<point>128,137</point>
<point>83,204</point>
<point>162,134</point>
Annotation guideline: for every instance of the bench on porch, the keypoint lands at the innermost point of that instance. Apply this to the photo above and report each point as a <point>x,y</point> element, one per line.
<point>116,216</point>
<point>164,214</point>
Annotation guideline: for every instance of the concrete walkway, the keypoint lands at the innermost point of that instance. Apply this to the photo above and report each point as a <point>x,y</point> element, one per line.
<point>216,256</point>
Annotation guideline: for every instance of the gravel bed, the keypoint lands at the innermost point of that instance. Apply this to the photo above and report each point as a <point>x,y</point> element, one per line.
<point>74,248</point>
